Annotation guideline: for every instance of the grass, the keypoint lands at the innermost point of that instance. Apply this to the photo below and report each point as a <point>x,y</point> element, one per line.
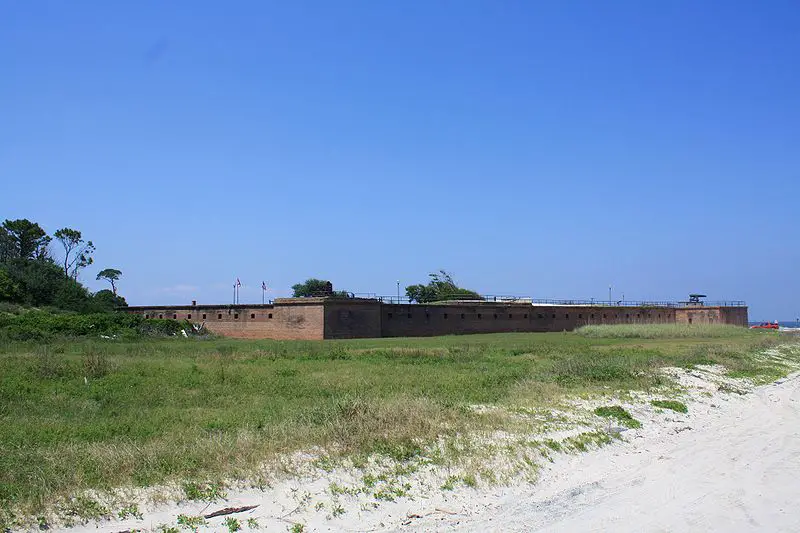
<point>90,414</point>
<point>672,405</point>
<point>619,414</point>
<point>663,331</point>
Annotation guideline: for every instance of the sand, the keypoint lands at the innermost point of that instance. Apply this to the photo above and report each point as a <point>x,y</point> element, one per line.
<point>732,463</point>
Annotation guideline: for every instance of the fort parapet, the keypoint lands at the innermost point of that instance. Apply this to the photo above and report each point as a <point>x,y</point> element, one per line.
<point>351,318</point>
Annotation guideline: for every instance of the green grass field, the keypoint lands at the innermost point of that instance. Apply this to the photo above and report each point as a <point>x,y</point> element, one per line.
<point>100,414</point>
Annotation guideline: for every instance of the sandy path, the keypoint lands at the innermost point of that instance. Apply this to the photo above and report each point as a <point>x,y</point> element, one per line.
<point>737,469</point>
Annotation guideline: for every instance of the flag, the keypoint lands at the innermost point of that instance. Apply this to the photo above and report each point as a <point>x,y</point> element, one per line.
<point>238,283</point>
<point>263,285</point>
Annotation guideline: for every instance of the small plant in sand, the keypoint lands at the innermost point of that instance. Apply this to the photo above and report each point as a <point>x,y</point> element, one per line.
<point>232,524</point>
<point>619,414</point>
<point>208,492</point>
<point>130,510</point>
<point>673,405</point>
<point>191,522</point>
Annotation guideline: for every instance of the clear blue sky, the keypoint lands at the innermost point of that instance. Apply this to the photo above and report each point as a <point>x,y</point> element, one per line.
<point>533,148</point>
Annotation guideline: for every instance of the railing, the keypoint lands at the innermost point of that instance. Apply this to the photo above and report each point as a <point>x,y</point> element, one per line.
<point>492,298</point>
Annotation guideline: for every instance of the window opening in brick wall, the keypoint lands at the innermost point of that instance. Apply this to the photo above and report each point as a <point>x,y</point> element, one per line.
<point>566,315</point>
<point>204,316</point>
<point>409,315</point>
<point>236,315</point>
<point>591,316</point>
<point>219,316</point>
<point>495,316</point>
<point>462,315</point>
<point>252,315</point>
<point>510,316</point>
<point>160,316</point>
<point>525,315</point>
<point>445,316</point>
<point>147,316</point>
<point>480,315</point>
<point>540,316</point>
<point>554,315</point>
<point>175,316</point>
<point>189,316</point>
<point>580,315</point>
<point>269,315</point>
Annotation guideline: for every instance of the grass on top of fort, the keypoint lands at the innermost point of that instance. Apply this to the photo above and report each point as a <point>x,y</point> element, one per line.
<point>81,414</point>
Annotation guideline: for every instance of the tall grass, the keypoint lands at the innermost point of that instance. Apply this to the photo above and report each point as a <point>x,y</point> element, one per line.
<point>666,331</point>
<point>78,414</point>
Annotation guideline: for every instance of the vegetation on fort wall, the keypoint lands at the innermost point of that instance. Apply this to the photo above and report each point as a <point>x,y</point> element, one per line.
<point>80,414</point>
<point>441,287</point>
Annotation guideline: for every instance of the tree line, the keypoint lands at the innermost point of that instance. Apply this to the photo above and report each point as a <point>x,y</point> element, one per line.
<point>33,274</point>
<point>440,287</point>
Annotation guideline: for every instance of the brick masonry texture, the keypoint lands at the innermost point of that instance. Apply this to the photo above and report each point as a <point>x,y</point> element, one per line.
<point>334,318</point>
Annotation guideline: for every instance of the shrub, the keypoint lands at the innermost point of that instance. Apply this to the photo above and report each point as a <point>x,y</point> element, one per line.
<point>42,325</point>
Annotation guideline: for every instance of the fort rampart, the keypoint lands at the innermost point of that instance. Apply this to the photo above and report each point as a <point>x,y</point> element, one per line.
<point>342,318</point>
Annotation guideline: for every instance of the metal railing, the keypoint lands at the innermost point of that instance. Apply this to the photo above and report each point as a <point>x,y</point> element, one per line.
<point>493,298</point>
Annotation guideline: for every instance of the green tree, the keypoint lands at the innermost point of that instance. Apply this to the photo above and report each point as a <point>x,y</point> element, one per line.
<point>23,239</point>
<point>9,289</point>
<point>106,301</point>
<point>111,275</point>
<point>38,282</point>
<point>77,252</point>
<point>441,287</point>
<point>317,287</point>
<point>73,296</point>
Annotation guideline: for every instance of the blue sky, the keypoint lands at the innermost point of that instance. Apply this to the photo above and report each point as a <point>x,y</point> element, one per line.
<point>533,148</point>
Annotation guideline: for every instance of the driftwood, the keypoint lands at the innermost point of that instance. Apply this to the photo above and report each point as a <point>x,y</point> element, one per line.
<point>229,510</point>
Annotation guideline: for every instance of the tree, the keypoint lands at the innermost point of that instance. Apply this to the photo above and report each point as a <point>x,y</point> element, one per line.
<point>23,239</point>
<point>111,275</point>
<point>107,301</point>
<point>37,282</point>
<point>440,287</point>
<point>77,253</point>
<point>317,287</point>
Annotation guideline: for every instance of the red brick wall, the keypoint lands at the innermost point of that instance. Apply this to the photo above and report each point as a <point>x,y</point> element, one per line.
<point>316,318</point>
<point>282,322</point>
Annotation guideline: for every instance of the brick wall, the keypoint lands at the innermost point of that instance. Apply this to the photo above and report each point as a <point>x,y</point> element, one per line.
<point>320,318</point>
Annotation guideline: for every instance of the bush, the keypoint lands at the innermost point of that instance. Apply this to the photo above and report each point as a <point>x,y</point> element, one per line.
<point>41,325</point>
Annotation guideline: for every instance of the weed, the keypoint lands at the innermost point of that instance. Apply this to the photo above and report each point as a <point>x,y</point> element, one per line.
<point>130,510</point>
<point>582,441</point>
<point>83,508</point>
<point>337,511</point>
<point>449,483</point>
<point>232,524</point>
<point>252,523</point>
<point>671,404</point>
<point>553,445</point>
<point>470,481</point>
<point>619,414</point>
<point>208,492</point>
<point>191,522</point>
<point>297,527</point>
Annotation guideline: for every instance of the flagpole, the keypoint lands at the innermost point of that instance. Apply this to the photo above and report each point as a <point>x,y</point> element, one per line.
<point>234,294</point>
